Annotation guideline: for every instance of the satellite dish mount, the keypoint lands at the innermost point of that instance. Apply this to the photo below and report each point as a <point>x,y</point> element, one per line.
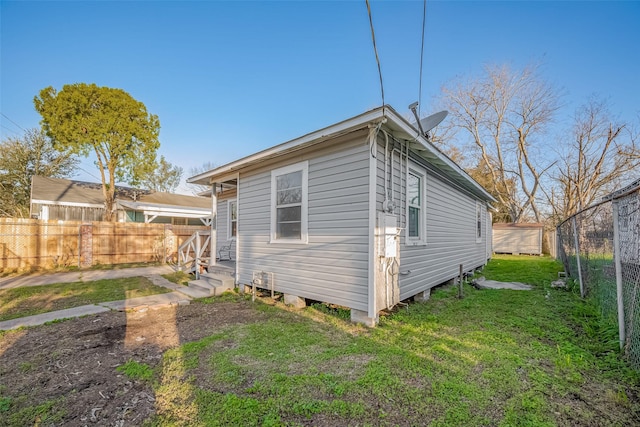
<point>428,123</point>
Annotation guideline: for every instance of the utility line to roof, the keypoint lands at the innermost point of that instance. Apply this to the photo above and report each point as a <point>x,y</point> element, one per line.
<point>375,49</point>
<point>5,116</point>
<point>424,18</point>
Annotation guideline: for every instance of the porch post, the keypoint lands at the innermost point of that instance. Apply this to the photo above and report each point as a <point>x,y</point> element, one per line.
<point>213,241</point>
<point>237,272</point>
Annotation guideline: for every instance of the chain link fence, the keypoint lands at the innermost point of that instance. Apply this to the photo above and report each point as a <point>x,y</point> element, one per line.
<point>599,248</point>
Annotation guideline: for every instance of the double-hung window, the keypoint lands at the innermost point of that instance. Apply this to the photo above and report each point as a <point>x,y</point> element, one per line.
<point>416,205</point>
<point>232,212</point>
<point>289,187</point>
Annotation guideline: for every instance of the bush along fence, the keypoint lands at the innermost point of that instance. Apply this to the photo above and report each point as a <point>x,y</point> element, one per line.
<point>38,244</point>
<point>599,247</point>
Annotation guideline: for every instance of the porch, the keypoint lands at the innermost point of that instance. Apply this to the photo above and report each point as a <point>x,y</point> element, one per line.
<point>194,256</point>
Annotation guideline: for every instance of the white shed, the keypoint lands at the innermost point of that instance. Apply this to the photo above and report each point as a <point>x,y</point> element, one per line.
<point>518,238</point>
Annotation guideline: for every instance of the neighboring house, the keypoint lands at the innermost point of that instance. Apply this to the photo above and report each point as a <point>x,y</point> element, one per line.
<point>518,238</point>
<point>364,213</point>
<point>55,198</point>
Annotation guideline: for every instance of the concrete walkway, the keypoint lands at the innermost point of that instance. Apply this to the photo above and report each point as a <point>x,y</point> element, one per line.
<point>181,294</point>
<point>80,276</point>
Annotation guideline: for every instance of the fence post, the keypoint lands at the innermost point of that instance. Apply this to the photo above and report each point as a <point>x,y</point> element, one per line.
<point>461,278</point>
<point>197,255</point>
<point>80,245</point>
<point>618,266</point>
<point>577,245</point>
<point>86,245</point>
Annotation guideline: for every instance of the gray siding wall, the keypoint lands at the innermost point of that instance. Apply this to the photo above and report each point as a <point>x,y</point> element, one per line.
<point>333,266</point>
<point>451,240</point>
<point>450,228</point>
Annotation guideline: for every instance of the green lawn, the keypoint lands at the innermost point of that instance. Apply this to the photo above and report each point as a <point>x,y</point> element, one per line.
<point>30,300</point>
<point>179,277</point>
<point>494,358</point>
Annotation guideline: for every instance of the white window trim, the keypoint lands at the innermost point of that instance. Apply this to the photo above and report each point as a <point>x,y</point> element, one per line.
<point>478,223</point>
<point>421,172</point>
<point>304,226</point>
<point>229,202</point>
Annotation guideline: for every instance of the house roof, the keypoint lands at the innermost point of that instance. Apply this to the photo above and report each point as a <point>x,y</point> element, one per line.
<point>392,122</point>
<point>79,193</point>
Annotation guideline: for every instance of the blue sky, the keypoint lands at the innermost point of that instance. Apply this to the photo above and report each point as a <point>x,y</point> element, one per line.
<point>230,78</point>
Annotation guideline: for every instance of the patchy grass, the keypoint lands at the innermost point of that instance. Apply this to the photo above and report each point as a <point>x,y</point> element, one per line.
<point>99,266</point>
<point>30,300</point>
<point>47,413</point>
<point>496,357</point>
<point>67,268</point>
<point>136,370</point>
<point>179,277</point>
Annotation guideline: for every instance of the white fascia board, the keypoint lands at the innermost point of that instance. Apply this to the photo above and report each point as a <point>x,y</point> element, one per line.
<point>74,204</point>
<point>164,210</point>
<point>317,136</point>
<point>176,214</point>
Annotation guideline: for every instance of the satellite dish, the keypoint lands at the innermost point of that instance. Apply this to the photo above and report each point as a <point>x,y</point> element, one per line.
<point>432,121</point>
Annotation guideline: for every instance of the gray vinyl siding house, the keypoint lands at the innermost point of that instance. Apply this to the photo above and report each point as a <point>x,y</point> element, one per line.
<point>328,217</point>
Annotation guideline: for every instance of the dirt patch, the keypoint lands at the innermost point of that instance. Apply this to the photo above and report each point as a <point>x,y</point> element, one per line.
<point>75,361</point>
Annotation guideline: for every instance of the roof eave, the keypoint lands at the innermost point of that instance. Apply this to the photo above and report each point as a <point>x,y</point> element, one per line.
<point>332,131</point>
<point>164,210</point>
<point>395,122</point>
<point>437,157</point>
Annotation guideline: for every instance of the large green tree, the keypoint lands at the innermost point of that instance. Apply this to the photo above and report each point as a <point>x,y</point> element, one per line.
<point>165,177</point>
<point>86,118</point>
<point>22,158</point>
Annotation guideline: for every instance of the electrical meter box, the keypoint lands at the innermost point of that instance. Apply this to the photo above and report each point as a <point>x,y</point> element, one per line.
<point>388,235</point>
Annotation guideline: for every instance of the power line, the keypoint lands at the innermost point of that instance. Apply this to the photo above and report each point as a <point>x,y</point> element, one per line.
<point>5,116</point>
<point>9,129</point>
<point>375,49</point>
<point>424,18</point>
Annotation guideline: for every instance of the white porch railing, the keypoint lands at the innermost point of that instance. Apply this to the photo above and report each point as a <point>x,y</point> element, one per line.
<point>194,252</point>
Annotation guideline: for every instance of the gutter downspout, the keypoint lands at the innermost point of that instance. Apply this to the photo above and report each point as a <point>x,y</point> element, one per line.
<point>238,222</point>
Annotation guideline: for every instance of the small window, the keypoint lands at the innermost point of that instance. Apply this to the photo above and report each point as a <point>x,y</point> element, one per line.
<point>416,212</point>
<point>289,204</point>
<point>232,229</point>
<point>478,222</point>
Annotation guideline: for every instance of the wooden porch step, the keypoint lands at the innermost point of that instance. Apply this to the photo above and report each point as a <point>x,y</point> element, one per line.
<point>215,284</point>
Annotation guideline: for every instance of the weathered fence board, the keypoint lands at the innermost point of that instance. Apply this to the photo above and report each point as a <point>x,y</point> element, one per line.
<point>31,243</point>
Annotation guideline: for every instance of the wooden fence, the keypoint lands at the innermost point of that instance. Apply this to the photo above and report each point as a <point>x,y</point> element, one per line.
<point>31,243</point>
